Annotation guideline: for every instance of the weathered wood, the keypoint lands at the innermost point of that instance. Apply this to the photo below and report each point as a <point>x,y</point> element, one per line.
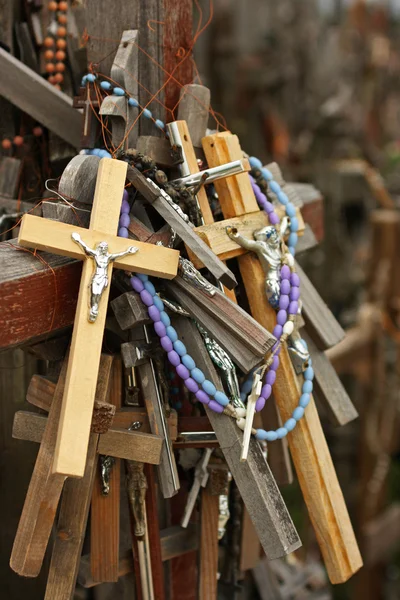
<point>29,426</point>
<point>250,548</point>
<point>194,103</point>
<point>38,98</point>
<point>10,171</point>
<point>208,568</point>
<point>130,311</point>
<point>78,181</point>
<point>57,211</point>
<point>278,456</point>
<point>159,149</point>
<point>153,195</point>
<point>253,477</point>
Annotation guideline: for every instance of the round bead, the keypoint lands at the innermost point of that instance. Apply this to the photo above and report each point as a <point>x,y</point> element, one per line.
<point>182,371</point>
<point>307,387</point>
<point>18,140</point>
<point>49,68</point>
<point>166,343</point>
<point>48,42</point>
<point>146,298</point>
<point>160,124</point>
<point>197,375</point>
<point>267,436</point>
<point>188,362</point>
<point>60,67</point>
<point>285,286</point>
<point>292,240</point>
<point>105,85</point>
<point>202,396</point>
<point>159,303</point>
<point>60,55</point>
<point>164,317</point>
<point>281,317</point>
<point>63,5</point>
<point>270,377</point>
<point>52,6</point>
<point>285,272</point>
<point>298,413</point>
<point>6,144</point>
<point>283,199</point>
<point>281,432</point>
<point>293,308</point>
<point>294,293</point>
<point>37,131</point>
<point>62,32</point>
<point>150,288</point>
<point>221,398</point>
<point>295,280</point>
<point>136,284</point>
<point>62,19</point>
<point>283,301</point>
<point>209,387</point>
<point>117,91</point>
<point>180,348</point>
<point>58,77</point>
<point>171,333</point>
<point>273,218</point>
<point>191,385</point>
<point>133,102</point>
<point>288,328</point>
<point>260,403</point>
<point>123,232</point>
<point>266,391</point>
<point>278,330</point>
<point>154,314</point>
<point>160,328</point>
<point>218,408</point>
<point>290,210</point>
<point>49,54</point>
<point>124,220</point>
<point>174,358</point>
<point>304,400</point>
<point>308,374</point>
<point>61,44</point>
<point>290,424</point>
<point>147,113</point>
<point>241,423</point>
<point>255,162</point>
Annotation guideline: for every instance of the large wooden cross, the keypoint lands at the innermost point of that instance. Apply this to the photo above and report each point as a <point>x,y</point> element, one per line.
<point>42,234</point>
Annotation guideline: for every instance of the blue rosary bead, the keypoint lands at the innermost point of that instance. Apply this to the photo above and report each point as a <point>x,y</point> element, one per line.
<point>90,77</point>
<point>133,102</point>
<point>209,387</point>
<point>221,398</point>
<point>290,210</point>
<point>283,199</point>
<point>307,387</point>
<point>274,187</point>
<point>179,347</point>
<point>171,333</point>
<point>150,288</point>
<point>165,320</point>
<point>159,303</point>
<point>290,424</point>
<point>147,113</point>
<point>298,413</point>
<point>292,250</point>
<point>304,400</point>
<point>309,374</point>
<point>197,375</point>
<point>117,91</point>
<point>266,174</point>
<point>281,432</point>
<point>105,85</point>
<point>142,277</point>
<point>266,436</point>
<point>294,224</point>
<point>158,123</point>
<point>188,361</point>
<point>292,240</point>
<point>255,162</point>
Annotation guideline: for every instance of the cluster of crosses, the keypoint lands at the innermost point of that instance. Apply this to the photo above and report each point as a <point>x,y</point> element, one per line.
<point>90,428</point>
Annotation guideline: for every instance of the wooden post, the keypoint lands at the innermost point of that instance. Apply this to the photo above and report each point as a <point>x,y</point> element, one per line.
<point>208,569</point>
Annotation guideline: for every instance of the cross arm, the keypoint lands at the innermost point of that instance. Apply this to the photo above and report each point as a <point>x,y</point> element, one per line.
<point>57,237</point>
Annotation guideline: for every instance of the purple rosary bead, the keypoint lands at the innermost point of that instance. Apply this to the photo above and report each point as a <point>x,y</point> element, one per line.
<point>166,343</point>
<point>270,378</point>
<point>125,208</point>
<point>146,298</point>
<point>125,196</point>
<point>192,386</point>
<point>218,408</point>
<point>275,363</point>
<point>278,330</point>
<point>154,315</point>
<point>282,317</point>
<point>284,301</point>
<point>202,397</point>
<point>183,372</point>
<point>294,293</point>
<point>160,329</point>
<point>295,280</point>
<point>123,232</point>
<point>285,286</point>
<point>137,285</point>
<point>266,391</point>
<point>273,218</point>
<point>285,272</point>
<point>124,220</point>
<point>260,403</point>
<point>174,358</point>
<point>293,307</point>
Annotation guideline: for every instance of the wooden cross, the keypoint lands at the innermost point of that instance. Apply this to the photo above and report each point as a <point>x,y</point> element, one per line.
<point>73,433</point>
<point>88,101</point>
<point>309,450</point>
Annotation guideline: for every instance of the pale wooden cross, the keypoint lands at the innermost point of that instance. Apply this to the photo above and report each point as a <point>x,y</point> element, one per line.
<point>38,233</point>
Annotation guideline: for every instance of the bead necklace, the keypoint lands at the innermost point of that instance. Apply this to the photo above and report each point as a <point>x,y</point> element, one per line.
<point>55,59</point>
<point>19,140</point>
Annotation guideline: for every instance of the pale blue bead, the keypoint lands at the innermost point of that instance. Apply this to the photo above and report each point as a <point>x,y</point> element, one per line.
<point>307,387</point>
<point>90,77</point>
<point>221,398</point>
<point>290,424</point>
<point>104,154</point>
<point>105,85</point>
<point>142,277</point>
<point>266,174</point>
<point>117,91</point>
<point>83,82</point>
<point>165,320</point>
<point>150,287</point>
<point>147,113</point>
<point>274,187</point>
<point>179,347</point>
<point>292,250</point>
<point>281,432</point>
<point>158,303</point>
<point>96,151</point>
<point>159,124</point>
<point>304,400</point>
<point>292,239</point>
<point>133,102</point>
<point>209,387</point>
<point>188,362</point>
<point>298,413</point>
<point>255,162</point>
<point>171,333</point>
<point>290,210</point>
<point>197,375</point>
<point>294,224</point>
<point>308,374</point>
<point>267,436</point>
<point>283,199</point>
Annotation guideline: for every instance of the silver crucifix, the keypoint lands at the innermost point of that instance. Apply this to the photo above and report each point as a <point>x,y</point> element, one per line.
<point>102,259</point>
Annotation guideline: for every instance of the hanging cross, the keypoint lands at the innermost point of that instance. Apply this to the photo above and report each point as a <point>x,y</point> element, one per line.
<point>88,100</point>
<point>42,234</point>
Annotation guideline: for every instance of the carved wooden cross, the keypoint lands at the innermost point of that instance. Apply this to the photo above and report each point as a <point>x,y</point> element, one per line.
<point>76,414</point>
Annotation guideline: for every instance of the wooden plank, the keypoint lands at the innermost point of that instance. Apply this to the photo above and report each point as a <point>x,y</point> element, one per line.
<point>278,456</point>
<point>42,498</point>
<point>310,453</point>
<point>132,445</point>
<point>253,477</point>
<point>208,569</point>
<point>78,181</point>
<point>250,548</point>
<point>10,172</point>
<point>29,426</point>
<point>105,510</point>
<point>194,103</point>
<point>39,99</point>
<point>43,234</point>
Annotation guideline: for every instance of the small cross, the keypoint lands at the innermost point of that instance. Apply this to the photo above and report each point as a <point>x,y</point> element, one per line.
<point>88,100</point>
<point>43,234</point>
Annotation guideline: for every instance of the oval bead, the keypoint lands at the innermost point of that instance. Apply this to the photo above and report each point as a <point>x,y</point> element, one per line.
<point>284,301</point>
<point>304,400</point>
<point>293,308</point>
<point>158,123</point>
<point>90,77</point>
<point>241,423</point>
<point>267,436</point>
<point>285,286</point>
<point>202,397</point>
<point>307,387</point>
<point>124,220</point>
<point>270,377</point>
<point>288,328</point>
<point>266,390</point>
<point>171,333</point>
<point>283,199</point>
<point>209,387</point>
<point>292,239</point>
<point>105,85</point>
<point>278,330</point>
<point>266,174</point>
<point>255,162</point>
<point>281,317</point>
<point>150,288</point>
<point>174,358</point>
<point>290,210</point>
<point>273,218</point>
<point>137,285</point>
<point>123,232</point>
<point>275,363</point>
<point>166,343</point>
<point>295,280</point>
<point>221,398</point>
<point>290,424</point>
<point>188,362</point>
<point>294,224</point>
<point>180,348</point>
<point>191,385</point>
<point>159,303</point>
<point>146,297</point>
<point>125,208</point>
<point>281,432</point>
<point>160,329</point>
<point>215,406</point>
<point>260,403</point>
<point>117,91</point>
<point>285,272</point>
<point>133,102</point>
<point>142,277</point>
<point>274,187</point>
<point>164,317</point>
<point>147,113</point>
<point>182,371</point>
<point>269,207</point>
<point>289,259</point>
<point>240,412</point>
<point>298,413</point>
<point>308,374</point>
<point>154,314</point>
<point>294,293</point>
<point>197,375</point>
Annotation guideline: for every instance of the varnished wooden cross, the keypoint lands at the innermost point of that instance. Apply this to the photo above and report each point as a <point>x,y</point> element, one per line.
<point>42,234</point>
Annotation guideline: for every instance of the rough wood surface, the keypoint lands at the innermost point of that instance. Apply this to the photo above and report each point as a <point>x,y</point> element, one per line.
<point>10,171</point>
<point>194,103</point>
<point>208,567</point>
<point>130,311</point>
<point>158,149</point>
<point>309,450</point>
<point>132,445</point>
<point>257,487</point>
<point>35,96</point>
<point>78,180</point>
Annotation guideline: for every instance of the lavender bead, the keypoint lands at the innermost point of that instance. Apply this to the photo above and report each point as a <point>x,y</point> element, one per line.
<point>295,280</point>
<point>270,378</point>
<point>192,385</point>
<point>218,408</point>
<point>284,301</point>
<point>273,218</point>
<point>174,358</point>
<point>285,272</point>
<point>137,285</point>
<point>154,314</point>
<point>281,318</point>
<point>269,208</point>
<point>266,391</point>
<point>275,363</point>
<point>293,307</point>
<point>182,371</point>
<point>160,328</point>
<point>146,298</point>
<point>285,286</point>
<point>125,196</point>
<point>124,220</point>
<point>294,293</point>
<point>260,403</point>
<point>125,208</point>
<point>166,343</point>
<point>201,396</point>
<point>123,232</point>
<point>278,330</point>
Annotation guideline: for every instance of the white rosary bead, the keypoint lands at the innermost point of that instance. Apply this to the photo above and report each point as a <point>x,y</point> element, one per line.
<point>241,423</point>
<point>288,327</point>
<point>240,412</point>
<point>289,259</point>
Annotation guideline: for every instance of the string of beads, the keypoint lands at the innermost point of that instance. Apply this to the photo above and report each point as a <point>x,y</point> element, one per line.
<point>55,45</point>
<point>19,140</point>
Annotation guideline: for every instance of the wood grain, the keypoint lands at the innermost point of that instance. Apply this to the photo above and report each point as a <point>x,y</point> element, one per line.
<point>208,568</point>
<point>132,445</point>
<point>194,103</point>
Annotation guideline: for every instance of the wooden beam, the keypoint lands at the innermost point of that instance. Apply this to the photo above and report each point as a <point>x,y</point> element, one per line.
<point>132,445</point>
<point>208,567</point>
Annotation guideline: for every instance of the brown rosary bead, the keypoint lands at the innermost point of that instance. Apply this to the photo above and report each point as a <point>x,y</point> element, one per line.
<point>60,55</point>
<point>49,54</point>
<point>61,32</point>
<point>50,68</point>
<point>6,144</point>
<point>60,67</point>
<point>62,44</point>
<point>18,140</point>
<point>48,42</point>
<point>53,6</point>
<point>62,19</point>
<point>63,6</point>
<point>58,78</point>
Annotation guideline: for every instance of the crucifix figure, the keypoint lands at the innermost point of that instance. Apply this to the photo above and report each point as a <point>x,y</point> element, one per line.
<point>102,258</point>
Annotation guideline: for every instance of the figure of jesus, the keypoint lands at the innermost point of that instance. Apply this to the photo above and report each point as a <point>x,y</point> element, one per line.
<point>102,260</point>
